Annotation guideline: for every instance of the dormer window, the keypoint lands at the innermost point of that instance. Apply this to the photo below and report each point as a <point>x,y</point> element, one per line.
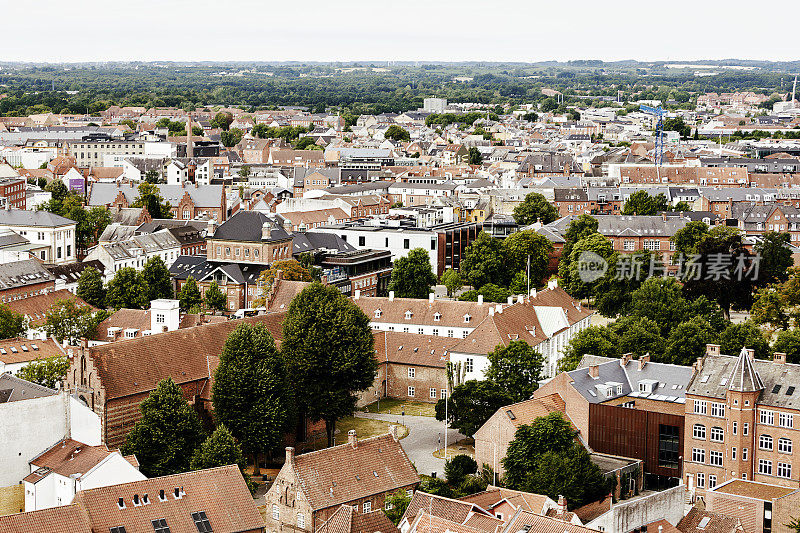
<point>378,313</point>
<point>409,314</point>
<point>467,319</point>
<point>121,503</point>
<point>161,496</point>
<point>437,317</point>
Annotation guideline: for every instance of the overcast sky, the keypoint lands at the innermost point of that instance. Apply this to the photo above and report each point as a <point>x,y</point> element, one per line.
<point>440,30</point>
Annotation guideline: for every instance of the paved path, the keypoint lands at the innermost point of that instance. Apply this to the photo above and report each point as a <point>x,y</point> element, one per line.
<point>422,440</point>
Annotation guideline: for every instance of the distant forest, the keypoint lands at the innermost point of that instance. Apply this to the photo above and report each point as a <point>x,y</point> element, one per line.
<point>356,88</point>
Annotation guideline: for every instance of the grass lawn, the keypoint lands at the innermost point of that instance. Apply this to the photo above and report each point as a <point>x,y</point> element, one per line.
<point>392,406</point>
<point>462,447</point>
<point>364,427</point>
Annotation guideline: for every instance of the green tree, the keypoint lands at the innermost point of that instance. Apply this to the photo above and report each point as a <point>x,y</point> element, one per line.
<point>397,133</point>
<point>155,276</point>
<point>638,335</point>
<point>677,124</point>
<point>232,137</point>
<point>328,340</point>
<point>770,307</point>
<point>594,340</point>
<point>292,269</point>
<point>458,468</point>
<point>127,290</point>
<point>626,273</point>
<point>167,434</point>
<point>474,156</point>
<point>451,279</point>
<point>222,120</point>
<point>90,287</point>
<point>788,342</point>
<point>189,296</point>
<point>46,372</point>
<point>214,298</point>
<point>152,176</point>
<point>688,237</point>
<point>11,324</point>
<point>516,368</point>
<point>776,257</point>
<point>535,208</point>
<point>66,320</point>
<point>596,244</point>
<point>581,227</point>
<point>483,261</point>
<point>412,275</point>
<point>744,335</point>
<point>519,283</point>
<point>522,245</point>
<point>150,198</point>
<point>396,505</point>
<point>92,225</point>
<point>471,404</point>
<point>641,203</point>
<point>220,449</point>
<point>687,341</point>
<point>682,207</point>
<point>250,393</point>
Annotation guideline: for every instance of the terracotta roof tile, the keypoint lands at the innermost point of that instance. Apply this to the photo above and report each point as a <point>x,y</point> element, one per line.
<point>19,350</point>
<point>36,307</point>
<point>346,520</point>
<point>717,523</point>
<point>65,519</point>
<point>69,457</point>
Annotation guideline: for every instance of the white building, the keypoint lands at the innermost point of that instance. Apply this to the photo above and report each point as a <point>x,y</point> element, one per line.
<point>434,105</point>
<point>43,228</point>
<point>136,251</point>
<point>57,474</point>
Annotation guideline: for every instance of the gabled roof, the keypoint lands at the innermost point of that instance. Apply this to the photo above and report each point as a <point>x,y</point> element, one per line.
<point>21,273</point>
<point>457,511</point>
<point>63,519</point>
<point>39,219</point>
<point>716,523</point>
<point>344,473</point>
<point>346,520</point>
<point>67,457</point>
<point>535,523</point>
<point>14,389</point>
<point>36,307</point>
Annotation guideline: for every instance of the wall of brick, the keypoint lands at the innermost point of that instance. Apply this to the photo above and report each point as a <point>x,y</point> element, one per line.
<point>425,378</point>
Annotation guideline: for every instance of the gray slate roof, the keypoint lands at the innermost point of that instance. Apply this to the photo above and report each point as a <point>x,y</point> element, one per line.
<point>205,196</point>
<point>41,219</point>
<point>246,226</point>
<point>14,389</point>
<point>21,273</point>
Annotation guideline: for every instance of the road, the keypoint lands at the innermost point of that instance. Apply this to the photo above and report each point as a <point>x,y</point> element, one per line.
<point>422,440</point>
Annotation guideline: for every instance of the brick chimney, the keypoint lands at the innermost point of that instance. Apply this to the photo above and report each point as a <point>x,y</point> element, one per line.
<point>751,353</point>
<point>594,371</point>
<point>643,360</point>
<point>712,349</point>
<point>626,358</point>
<point>289,454</point>
<point>779,358</point>
<point>352,439</point>
<point>562,506</point>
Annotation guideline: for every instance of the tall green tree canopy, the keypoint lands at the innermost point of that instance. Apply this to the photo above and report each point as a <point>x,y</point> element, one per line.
<point>219,449</point>
<point>471,404</point>
<point>688,237</point>
<point>483,261</point>
<point>581,227</point>
<point>90,287</point>
<point>11,324</point>
<point>328,343</point>
<point>775,257</point>
<point>641,203</point>
<point>520,246</point>
<point>70,321</point>
<point>517,368</point>
<point>788,342</point>
<point>214,298</point>
<point>451,279</point>
<point>189,296</point>
<point>127,290</point>
<point>397,133</point>
<point>535,208</point>
<point>412,275</point>
<point>597,244</point>
<point>744,335</point>
<point>169,431</point>
<point>594,340</point>
<point>687,341</point>
<point>150,198</point>
<point>155,276</point>
<point>46,372</point>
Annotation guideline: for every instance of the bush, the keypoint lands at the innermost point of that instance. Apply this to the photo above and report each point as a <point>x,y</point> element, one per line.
<point>458,468</point>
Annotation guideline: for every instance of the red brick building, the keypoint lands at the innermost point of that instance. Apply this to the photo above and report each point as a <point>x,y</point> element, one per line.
<point>12,192</point>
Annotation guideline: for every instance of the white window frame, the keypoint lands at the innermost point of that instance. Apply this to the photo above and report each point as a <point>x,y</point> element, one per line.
<point>412,372</point>
<point>766,417</point>
<point>700,407</point>
<point>765,467</point>
<point>699,432</point>
<point>411,392</point>
<point>698,455</point>
<point>784,470</point>
<point>715,458</point>
<point>784,445</point>
<point>716,434</point>
<point>765,442</point>
<point>786,420</point>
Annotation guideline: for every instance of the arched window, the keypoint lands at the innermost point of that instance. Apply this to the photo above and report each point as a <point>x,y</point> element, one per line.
<point>699,431</point>
<point>765,442</point>
<point>717,434</point>
<point>784,445</point>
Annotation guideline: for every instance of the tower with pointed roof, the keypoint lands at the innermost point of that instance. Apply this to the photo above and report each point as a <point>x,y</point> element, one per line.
<point>744,389</point>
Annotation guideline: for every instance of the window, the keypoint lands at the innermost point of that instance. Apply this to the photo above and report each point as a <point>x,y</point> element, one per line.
<point>767,417</point>
<point>735,427</point>
<point>160,525</point>
<point>443,393</point>
<point>411,391</point>
<point>276,513</point>
<point>468,364</point>
<point>784,470</point>
<point>785,420</point>
<point>437,317</point>
<point>388,506</point>
<point>629,246</point>
<point>118,529</point>
<point>668,446</point>
<point>712,481</point>
<point>765,467</point>
<point>367,507</point>
<point>435,332</point>
<point>412,372</point>
<point>701,480</point>
<point>362,241</point>
<point>301,520</point>
<point>432,393</point>
<point>744,454</point>
<point>651,245</point>
<point>765,442</point>
<point>746,428</point>
<point>715,458</point>
<point>733,453</point>
<point>784,445</point>
<point>159,318</point>
<point>717,435</point>
<point>406,244</point>
<point>698,455</point>
<point>718,410</point>
<point>700,407</point>
<point>699,431</point>
<point>201,521</point>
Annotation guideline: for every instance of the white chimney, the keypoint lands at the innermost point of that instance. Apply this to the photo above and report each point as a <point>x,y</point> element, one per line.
<point>552,284</point>
<point>357,295</point>
<point>520,299</point>
<point>533,293</point>
<point>266,230</point>
<point>391,296</point>
<point>431,297</point>
<point>499,308</point>
<point>480,299</point>
<point>491,311</point>
<point>510,300</point>
<point>164,315</point>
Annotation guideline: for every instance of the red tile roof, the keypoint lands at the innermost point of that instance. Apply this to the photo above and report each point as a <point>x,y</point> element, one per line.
<point>346,520</point>
<point>68,457</point>
<point>25,350</point>
<point>36,307</point>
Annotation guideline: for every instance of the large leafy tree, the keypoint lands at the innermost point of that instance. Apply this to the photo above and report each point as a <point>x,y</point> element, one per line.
<point>788,342</point>
<point>155,276</point>
<point>596,244</point>
<point>150,198</point>
<point>397,133</point>
<point>516,368</point>
<point>474,156</point>
<point>641,203</point>
<point>638,335</point>
<point>544,458</point>
<point>251,391</point>
<point>535,208</point>
<point>626,273</point>
<point>451,279</point>
<point>458,468</point>
<point>471,404</point>
<point>222,120</point>
<point>412,275</point>
<point>688,237</point>
<point>483,261</point>
<point>11,324</point>
<point>581,227</point>
<point>214,298</point>
<point>522,245</point>
<point>46,372</point>
<point>328,343</point>
<point>219,449</point>
<point>70,321</point>
<point>744,335</point>
<point>169,431</point>
<point>770,307</point>
<point>396,505</point>
<point>292,270</point>
<point>687,341</point>
<point>594,340</point>
<point>127,290</point>
<point>189,295</point>
<point>90,287</point>
<point>775,257</point>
